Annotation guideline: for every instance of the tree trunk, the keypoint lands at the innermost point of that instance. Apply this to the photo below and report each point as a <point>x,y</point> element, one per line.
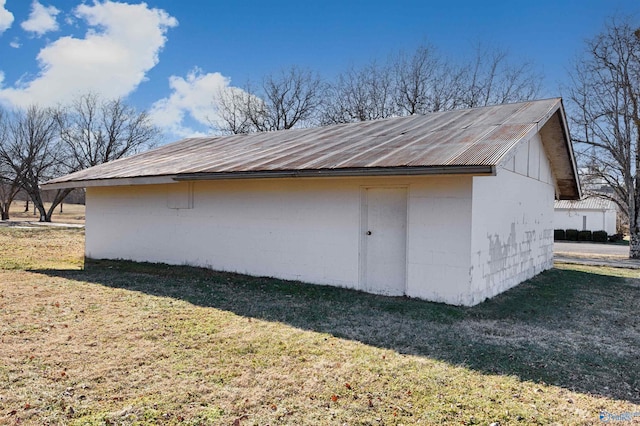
<point>634,225</point>
<point>61,194</point>
<point>634,243</point>
<point>38,205</point>
<point>4,210</point>
<point>6,200</point>
<point>43,214</point>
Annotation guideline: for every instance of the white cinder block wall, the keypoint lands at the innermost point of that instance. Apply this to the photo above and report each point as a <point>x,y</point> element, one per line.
<point>292,229</point>
<point>439,240</point>
<point>512,223</point>
<point>301,229</point>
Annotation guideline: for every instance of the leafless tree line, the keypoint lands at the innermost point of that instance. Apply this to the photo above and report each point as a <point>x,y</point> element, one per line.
<point>419,82</point>
<point>38,144</point>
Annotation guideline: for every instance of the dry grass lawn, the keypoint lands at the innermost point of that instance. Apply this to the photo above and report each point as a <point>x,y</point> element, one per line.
<point>71,213</point>
<point>123,344</point>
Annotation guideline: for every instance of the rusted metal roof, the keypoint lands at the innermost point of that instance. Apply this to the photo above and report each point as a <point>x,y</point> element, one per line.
<point>462,141</point>
<point>591,203</point>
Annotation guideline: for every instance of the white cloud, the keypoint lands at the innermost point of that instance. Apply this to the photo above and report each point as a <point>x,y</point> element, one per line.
<point>15,44</point>
<point>6,17</point>
<point>42,19</point>
<point>121,45</point>
<point>192,99</point>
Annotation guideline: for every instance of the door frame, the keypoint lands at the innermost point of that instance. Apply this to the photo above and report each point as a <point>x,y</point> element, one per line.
<point>362,228</point>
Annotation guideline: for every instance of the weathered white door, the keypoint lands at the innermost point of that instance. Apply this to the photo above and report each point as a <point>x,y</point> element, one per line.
<point>384,240</point>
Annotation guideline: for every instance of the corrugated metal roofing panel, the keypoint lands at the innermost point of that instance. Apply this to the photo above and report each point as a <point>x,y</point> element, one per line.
<point>590,203</point>
<point>472,137</point>
<point>495,144</point>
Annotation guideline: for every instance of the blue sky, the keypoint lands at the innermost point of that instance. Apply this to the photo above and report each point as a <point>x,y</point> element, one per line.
<point>170,56</point>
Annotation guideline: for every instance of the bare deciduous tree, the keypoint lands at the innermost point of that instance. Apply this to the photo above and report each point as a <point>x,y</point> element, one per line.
<point>285,100</point>
<point>604,108</point>
<point>231,107</point>
<point>361,94</point>
<point>9,178</point>
<point>425,82</point>
<point>94,131</point>
<point>33,154</point>
<point>490,79</point>
<point>291,98</point>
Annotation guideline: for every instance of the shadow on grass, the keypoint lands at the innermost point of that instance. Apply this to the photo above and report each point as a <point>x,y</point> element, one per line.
<point>572,329</point>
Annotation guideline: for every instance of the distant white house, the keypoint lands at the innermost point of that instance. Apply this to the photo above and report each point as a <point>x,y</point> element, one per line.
<point>588,214</point>
<point>451,207</point>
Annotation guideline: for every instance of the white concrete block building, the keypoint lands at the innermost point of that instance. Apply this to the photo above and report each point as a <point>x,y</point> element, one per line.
<point>452,207</point>
<point>589,214</point>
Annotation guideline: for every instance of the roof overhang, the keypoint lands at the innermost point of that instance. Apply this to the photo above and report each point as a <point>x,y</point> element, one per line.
<point>351,172</point>
<point>279,174</point>
<point>148,180</point>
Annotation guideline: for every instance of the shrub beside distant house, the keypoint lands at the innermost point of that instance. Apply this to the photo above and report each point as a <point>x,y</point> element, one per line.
<point>575,235</point>
<point>572,234</point>
<point>585,235</point>
<point>600,236</point>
